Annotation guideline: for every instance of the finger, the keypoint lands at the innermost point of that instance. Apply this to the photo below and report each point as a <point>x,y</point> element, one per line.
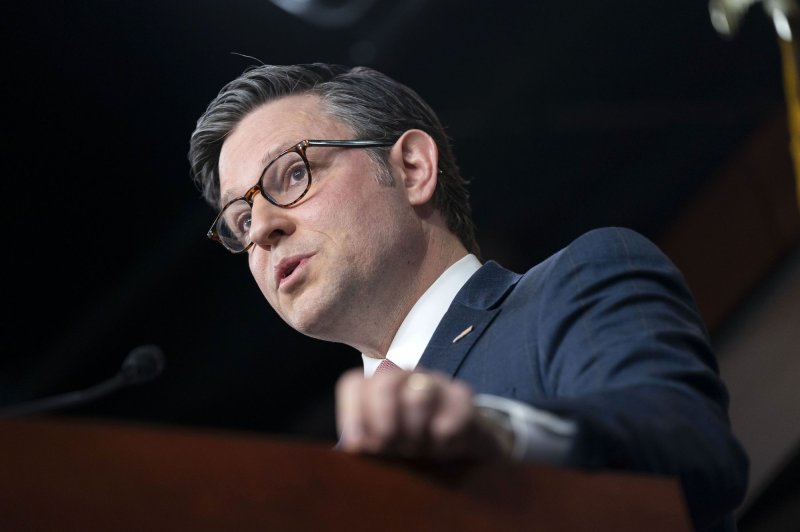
<point>419,398</point>
<point>380,406</point>
<point>349,422</point>
<point>451,425</point>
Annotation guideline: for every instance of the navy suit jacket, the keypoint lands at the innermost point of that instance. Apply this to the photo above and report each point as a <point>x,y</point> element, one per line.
<point>604,333</point>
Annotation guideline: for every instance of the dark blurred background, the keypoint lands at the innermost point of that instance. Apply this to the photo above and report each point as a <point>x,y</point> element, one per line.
<point>565,115</point>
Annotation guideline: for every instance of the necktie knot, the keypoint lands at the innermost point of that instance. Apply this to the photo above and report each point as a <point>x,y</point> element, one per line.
<point>387,366</point>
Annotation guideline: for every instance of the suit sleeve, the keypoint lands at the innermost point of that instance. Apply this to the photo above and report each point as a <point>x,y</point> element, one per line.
<point>624,354</point>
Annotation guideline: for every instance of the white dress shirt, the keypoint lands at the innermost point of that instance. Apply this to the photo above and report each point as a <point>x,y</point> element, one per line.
<point>538,435</point>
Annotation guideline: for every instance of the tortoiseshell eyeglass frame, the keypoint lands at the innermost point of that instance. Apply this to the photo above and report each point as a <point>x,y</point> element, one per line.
<point>299,148</point>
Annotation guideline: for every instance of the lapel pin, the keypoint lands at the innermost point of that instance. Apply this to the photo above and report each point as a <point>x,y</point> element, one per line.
<point>463,333</point>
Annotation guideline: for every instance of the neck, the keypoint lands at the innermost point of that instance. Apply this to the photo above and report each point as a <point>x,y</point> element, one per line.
<point>441,252</point>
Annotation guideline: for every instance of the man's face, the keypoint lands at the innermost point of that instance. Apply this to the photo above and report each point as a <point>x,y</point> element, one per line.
<point>335,262</point>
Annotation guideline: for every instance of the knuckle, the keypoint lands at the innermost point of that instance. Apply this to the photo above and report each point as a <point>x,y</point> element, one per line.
<point>348,381</point>
<point>461,391</point>
<point>413,401</point>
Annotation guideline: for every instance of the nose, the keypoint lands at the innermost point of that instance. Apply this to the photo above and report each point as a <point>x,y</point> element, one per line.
<point>269,223</point>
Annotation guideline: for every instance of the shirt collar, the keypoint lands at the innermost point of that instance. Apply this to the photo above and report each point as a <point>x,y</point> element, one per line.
<point>419,325</point>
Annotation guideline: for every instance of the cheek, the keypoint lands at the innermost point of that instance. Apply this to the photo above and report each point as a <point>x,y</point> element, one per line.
<point>336,218</point>
<point>258,261</point>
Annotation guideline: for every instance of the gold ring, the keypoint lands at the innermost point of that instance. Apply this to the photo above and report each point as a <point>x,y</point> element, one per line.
<point>420,382</point>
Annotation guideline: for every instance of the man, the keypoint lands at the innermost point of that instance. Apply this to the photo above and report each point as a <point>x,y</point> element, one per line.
<point>342,188</point>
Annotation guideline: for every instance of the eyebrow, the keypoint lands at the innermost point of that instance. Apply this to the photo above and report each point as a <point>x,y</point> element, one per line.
<point>225,198</point>
<point>268,157</point>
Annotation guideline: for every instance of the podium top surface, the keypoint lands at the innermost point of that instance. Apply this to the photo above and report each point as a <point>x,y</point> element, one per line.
<point>69,474</point>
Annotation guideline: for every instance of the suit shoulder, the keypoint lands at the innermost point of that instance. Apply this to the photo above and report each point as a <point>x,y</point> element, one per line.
<point>613,243</point>
<point>597,254</point>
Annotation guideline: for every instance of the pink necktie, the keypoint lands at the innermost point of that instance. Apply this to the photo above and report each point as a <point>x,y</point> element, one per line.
<point>386,366</point>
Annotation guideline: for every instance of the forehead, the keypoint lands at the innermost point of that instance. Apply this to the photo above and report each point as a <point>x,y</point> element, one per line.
<point>268,130</point>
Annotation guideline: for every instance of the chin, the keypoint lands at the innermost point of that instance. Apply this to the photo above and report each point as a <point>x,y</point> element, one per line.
<point>308,321</point>
<point>318,315</point>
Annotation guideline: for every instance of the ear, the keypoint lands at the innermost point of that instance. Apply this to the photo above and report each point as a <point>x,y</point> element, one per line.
<point>415,161</point>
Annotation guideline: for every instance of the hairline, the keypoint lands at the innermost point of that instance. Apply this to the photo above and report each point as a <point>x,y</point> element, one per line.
<point>383,173</point>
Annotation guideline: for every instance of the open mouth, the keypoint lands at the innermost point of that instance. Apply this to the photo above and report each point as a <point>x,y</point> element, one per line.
<point>288,267</point>
<point>288,271</point>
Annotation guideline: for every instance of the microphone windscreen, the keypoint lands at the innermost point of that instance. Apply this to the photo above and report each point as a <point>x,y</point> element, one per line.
<point>143,363</point>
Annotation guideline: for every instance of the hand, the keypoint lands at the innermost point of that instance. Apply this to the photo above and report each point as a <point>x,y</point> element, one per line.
<point>415,415</point>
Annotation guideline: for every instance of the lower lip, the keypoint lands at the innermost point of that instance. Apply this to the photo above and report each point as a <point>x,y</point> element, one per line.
<point>290,280</point>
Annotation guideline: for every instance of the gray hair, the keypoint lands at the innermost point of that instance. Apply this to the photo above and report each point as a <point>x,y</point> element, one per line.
<point>372,104</point>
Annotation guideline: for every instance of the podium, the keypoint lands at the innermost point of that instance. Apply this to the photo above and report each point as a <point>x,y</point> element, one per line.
<point>85,475</point>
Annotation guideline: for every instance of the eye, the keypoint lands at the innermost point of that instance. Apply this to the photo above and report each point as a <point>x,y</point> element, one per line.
<point>235,222</point>
<point>285,179</point>
<point>295,175</point>
<point>242,223</point>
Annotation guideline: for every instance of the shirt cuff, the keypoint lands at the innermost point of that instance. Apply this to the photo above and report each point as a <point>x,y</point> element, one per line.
<point>539,436</point>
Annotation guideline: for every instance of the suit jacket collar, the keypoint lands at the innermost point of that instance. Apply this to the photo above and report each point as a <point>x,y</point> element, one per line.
<point>475,306</point>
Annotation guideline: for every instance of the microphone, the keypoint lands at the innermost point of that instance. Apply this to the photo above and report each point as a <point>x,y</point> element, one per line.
<point>143,364</point>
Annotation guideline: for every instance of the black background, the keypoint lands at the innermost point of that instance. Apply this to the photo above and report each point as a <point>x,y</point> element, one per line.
<point>565,115</point>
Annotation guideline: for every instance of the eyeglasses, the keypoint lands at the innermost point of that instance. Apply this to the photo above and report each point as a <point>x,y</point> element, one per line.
<point>284,182</point>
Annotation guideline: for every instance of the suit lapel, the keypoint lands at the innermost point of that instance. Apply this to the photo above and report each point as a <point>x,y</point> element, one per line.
<point>472,310</point>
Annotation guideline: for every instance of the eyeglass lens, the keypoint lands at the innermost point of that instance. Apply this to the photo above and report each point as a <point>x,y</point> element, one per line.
<point>284,182</point>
